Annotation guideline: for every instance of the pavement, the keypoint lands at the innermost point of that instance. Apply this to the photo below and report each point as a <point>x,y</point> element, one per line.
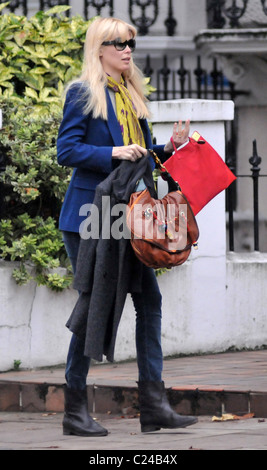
<point>228,393</point>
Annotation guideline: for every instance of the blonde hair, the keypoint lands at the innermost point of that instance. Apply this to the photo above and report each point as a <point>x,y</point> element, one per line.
<point>93,76</point>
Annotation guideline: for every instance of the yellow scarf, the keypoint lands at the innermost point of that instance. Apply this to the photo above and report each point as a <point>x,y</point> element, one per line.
<point>126,114</point>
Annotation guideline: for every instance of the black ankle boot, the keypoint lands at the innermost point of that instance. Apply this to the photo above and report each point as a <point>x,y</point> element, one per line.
<point>77,420</point>
<point>155,410</point>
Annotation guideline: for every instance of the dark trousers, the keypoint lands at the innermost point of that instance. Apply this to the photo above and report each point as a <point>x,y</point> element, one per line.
<point>148,328</point>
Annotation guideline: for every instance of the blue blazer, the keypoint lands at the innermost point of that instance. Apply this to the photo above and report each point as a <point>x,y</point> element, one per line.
<point>85,144</point>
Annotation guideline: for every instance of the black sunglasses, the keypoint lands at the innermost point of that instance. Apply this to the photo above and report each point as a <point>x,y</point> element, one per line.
<point>120,46</point>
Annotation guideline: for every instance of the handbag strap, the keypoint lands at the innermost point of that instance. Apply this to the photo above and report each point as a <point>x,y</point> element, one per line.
<point>173,185</point>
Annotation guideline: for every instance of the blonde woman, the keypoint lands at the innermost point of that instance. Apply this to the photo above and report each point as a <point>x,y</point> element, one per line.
<point>104,123</point>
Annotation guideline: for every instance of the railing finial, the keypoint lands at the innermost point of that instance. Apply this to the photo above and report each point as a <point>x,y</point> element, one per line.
<point>255,160</point>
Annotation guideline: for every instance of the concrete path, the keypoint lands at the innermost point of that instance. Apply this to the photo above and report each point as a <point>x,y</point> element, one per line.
<point>36,431</point>
<point>31,406</point>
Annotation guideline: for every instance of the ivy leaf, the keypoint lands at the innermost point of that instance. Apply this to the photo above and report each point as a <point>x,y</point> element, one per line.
<point>44,93</point>
<point>48,25</point>
<point>64,60</point>
<point>57,9</point>
<point>4,5</point>
<point>31,93</point>
<point>20,37</point>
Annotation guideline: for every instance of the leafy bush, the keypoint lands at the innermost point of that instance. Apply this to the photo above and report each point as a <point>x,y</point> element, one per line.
<point>38,241</point>
<point>38,56</point>
<point>32,175</point>
<point>34,188</point>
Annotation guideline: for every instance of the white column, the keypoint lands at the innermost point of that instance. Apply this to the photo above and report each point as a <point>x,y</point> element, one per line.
<point>207,117</point>
<point>194,294</point>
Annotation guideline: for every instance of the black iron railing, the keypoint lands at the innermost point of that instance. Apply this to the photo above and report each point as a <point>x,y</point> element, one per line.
<point>142,18</point>
<point>97,7</point>
<point>142,13</point>
<point>221,13</point>
<point>23,5</point>
<point>190,82</point>
<point>15,4</point>
<point>255,161</point>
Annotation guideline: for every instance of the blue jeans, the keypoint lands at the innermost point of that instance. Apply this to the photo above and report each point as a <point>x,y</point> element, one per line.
<point>147,305</point>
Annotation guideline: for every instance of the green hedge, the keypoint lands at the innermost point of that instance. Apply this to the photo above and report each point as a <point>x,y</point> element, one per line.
<point>34,187</point>
<point>38,56</point>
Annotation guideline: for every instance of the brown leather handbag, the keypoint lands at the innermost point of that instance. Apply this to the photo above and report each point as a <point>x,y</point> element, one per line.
<point>163,231</point>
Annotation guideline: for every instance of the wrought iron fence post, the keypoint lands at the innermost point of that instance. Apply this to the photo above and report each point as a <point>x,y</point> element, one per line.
<point>217,10</point>
<point>230,193</point>
<point>165,72</point>
<point>98,5</point>
<point>182,72</point>
<point>234,13</point>
<point>255,161</point>
<point>199,73</point>
<point>231,219</point>
<point>143,22</point>
<point>170,22</point>
<point>214,12</point>
<point>14,4</point>
<point>148,71</point>
<point>216,75</point>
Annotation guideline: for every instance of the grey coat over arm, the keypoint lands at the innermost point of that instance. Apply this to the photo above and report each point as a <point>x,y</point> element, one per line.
<point>107,269</point>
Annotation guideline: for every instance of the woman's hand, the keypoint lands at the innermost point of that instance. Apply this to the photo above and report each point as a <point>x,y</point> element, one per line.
<point>180,136</point>
<point>129,152</point>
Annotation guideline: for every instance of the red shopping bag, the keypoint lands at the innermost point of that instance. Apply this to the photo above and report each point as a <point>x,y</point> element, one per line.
<point>200,171</point>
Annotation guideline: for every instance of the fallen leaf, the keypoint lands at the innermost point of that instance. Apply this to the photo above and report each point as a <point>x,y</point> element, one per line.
<point>232,417</point>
